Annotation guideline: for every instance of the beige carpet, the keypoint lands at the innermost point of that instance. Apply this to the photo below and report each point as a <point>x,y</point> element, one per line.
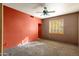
<point>43,48</point>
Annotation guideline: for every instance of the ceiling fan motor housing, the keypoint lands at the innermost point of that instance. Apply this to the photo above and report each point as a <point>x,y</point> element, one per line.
<point>45,12</point>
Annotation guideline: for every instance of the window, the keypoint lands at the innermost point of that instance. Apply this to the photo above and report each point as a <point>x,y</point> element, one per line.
<point>56,26</point>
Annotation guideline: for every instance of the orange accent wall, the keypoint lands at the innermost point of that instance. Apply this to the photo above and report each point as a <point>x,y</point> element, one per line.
<point>18,26</point>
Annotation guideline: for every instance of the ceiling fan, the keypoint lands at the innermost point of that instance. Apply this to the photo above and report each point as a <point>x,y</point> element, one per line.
<point>45,11</point>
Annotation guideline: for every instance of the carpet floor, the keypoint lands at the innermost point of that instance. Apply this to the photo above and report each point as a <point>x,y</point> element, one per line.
<point>43,47</point>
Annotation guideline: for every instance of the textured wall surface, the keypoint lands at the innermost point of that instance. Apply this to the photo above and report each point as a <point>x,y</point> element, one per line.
<point>19,27</point>
<point>70,29</point>
<point>0,24</point>
<point>78,29</point>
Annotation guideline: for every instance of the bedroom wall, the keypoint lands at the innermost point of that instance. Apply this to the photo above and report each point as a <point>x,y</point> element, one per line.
<point>0,25</point>
<point>78,29</point>
<point>19,27</point>
<point>70,29</point>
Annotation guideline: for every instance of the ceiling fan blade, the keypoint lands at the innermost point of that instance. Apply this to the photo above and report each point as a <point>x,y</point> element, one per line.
<point>39,5</point>
<point>39,12</point>
<point>35,7</point>
<point>51,11</point>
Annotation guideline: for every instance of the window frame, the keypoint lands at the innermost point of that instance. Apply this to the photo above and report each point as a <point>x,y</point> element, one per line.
<point>58,27</point>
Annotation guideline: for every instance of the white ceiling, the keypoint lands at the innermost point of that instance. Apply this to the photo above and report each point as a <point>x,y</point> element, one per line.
<point>33,8</point>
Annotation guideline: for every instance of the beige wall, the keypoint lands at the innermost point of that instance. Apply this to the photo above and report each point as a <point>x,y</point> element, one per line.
<point>78,29</point>
<point>70,29</point>
<point>0,24</point>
